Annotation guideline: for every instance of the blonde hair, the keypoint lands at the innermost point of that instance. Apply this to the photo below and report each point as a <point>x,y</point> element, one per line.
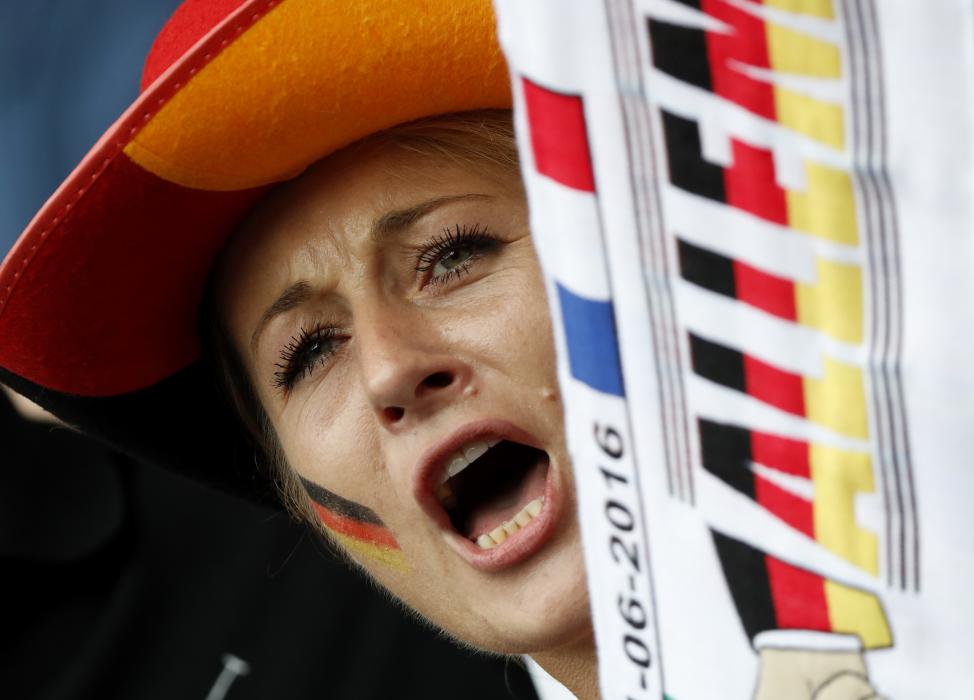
<point>485,137</point>
<point>480,138</point>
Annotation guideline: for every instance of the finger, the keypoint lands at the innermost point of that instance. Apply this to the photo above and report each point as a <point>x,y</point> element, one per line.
<point>847,685</point>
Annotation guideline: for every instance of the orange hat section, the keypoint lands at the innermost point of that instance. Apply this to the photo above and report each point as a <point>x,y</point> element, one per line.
<point>310,77</point>
<point>100,295</point>
<point>191,21</point>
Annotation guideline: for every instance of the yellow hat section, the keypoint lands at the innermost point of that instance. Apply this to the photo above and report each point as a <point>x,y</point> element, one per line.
<point>313,76</point>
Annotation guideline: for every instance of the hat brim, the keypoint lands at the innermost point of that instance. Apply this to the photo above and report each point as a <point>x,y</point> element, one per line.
<point>99,296</point>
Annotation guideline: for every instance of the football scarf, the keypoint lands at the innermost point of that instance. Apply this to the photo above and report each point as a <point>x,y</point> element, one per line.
<point>755,224</point>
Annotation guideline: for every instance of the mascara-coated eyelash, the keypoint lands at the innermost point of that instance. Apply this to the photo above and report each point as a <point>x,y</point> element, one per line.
<point>303,353</point>
<point>475,240</point>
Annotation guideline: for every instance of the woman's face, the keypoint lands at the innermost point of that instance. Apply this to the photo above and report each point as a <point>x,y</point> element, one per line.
<point>390,312</point>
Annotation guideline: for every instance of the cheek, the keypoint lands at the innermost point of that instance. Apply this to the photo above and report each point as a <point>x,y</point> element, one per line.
<point>527,342</point>
<point>337,503</point>
<point>508,318</point>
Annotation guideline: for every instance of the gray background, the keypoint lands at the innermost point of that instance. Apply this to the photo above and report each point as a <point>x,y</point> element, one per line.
<point>68,69</point>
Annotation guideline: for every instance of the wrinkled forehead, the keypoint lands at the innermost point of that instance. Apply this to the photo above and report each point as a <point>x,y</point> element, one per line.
<point>322,210</point>
<point>318,224</point>
<point>308,226</point>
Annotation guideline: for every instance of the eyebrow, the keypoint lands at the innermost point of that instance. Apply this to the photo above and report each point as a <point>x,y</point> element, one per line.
<point>396,221</point>
<point>387,225</point>
<point>295,295</point>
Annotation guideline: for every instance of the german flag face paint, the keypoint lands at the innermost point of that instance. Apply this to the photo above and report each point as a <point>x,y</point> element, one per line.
<point>355,527</point>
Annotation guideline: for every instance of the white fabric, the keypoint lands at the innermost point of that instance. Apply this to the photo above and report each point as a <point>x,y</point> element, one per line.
<point>546,686</point>
<point>700,556</point>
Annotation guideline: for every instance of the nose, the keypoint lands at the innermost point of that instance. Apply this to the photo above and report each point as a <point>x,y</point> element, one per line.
<point>409,370</point>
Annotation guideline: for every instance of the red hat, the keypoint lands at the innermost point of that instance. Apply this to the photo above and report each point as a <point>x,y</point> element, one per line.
<point>99,297</point>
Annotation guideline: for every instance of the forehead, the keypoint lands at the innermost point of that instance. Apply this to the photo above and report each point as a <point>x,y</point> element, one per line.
<point>329,203</point>
<point>324,217</point>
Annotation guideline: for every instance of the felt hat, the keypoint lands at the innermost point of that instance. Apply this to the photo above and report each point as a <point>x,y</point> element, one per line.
<point>99,297</point>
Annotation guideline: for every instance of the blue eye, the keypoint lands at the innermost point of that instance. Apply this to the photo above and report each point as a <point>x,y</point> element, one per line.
<point>456,257</point>
<point>303,354</point>
<point>447,256</point>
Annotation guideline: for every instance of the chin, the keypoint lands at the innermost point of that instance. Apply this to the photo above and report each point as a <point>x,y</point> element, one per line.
<point>543,605</point>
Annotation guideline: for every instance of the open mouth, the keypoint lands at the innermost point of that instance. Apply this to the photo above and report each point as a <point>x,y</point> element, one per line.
<point>492,489</point>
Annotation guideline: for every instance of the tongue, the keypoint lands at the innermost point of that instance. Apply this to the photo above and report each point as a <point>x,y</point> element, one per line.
<point>505,505</point>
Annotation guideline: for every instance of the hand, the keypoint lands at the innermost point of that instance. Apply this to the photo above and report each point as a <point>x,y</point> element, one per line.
<point>846,684</point>
<point>799,674</point>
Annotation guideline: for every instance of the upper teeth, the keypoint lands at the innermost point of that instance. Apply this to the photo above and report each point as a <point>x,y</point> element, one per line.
<point>465,456</point>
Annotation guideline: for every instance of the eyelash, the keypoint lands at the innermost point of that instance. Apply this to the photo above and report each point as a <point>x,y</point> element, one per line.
<point>477,238</point>
<point>295,363</point>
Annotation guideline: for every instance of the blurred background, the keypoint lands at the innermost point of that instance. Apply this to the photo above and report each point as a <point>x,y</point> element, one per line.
<point>68,69</point>
<point>125,581</point>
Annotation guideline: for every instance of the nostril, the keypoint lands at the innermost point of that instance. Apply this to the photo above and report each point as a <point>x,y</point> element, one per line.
<point>393,414</point>
<point>438,380</point>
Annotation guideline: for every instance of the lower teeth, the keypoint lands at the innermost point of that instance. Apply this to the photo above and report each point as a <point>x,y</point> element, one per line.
<point>502,532</point>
